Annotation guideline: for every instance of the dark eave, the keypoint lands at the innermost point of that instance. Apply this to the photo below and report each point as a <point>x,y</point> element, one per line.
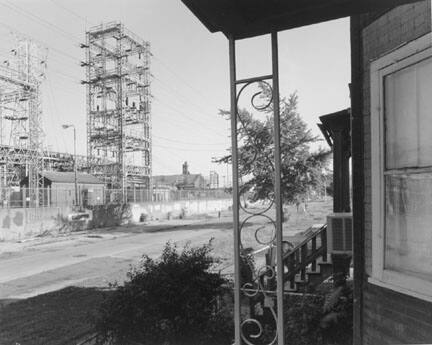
<point>247,18</point>
<point>331,123</point>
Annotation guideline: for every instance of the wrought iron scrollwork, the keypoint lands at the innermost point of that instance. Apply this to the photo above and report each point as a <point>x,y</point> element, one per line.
<point>264,236</point>
<point>261,108</point>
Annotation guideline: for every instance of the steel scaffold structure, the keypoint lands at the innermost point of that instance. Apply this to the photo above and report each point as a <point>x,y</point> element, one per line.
<point>21,74</point>
<point>118,106</point>
<point>53,160</point>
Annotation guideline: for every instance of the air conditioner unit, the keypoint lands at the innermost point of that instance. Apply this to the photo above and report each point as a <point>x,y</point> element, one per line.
<point>339,233</point>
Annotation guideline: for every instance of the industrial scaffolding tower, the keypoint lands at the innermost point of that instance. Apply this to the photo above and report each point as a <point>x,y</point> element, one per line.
<point>118,106</point>
<point>21,73</point>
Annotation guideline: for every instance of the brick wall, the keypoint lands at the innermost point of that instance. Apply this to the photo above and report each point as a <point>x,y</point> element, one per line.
<point>389,317</point>
<point>393,318</point>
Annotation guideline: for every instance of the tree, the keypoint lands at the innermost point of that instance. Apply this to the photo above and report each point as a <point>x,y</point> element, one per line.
<point>174,300</point>
<point>301,168</point>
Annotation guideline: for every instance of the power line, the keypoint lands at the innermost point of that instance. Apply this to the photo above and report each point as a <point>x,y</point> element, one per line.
<point>6,54</point>
<point>182,149</point>
<point>189,118</point>
<point>52,120</point>
<point>159,162</point>
<point>75,14</point>
<point>40,42</point>
<point>40,20</point>
<point>169,69</point>
<point>190,143</point>
<point>178,103</point>
<point>178,125</point>
<point>78,81</point>
<point>189,101</point>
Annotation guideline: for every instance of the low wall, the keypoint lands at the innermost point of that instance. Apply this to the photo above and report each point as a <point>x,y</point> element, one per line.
<point>114,215</point>
<point>175,209</point>
<point>20,223</point>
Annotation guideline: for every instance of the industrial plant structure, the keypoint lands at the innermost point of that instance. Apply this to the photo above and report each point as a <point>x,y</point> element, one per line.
<point>118,113</point>
<point>21,74</point>
<point>118,106</point>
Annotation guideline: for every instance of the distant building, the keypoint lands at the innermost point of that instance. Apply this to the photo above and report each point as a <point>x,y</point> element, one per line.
<point>185,181</point>
<point>180,182</point>
<point>214,180</point>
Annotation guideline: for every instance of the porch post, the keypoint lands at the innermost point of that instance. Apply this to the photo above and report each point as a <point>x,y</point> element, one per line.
<point>357,139</point>
<point>278,191</point>
<point>234,152</point>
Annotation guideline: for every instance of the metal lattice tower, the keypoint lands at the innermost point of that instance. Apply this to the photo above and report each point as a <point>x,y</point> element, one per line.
<point>118,106</point>
<point>21,73</point>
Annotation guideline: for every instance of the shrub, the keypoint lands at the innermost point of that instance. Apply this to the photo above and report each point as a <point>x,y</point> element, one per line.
<point>173,300</point>
<point>321,319</point>
<point>324,318</point>
<point>302,320</point>
<point>337,322</point>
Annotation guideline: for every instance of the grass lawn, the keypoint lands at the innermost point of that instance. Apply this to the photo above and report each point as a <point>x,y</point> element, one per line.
<point>56,318</point>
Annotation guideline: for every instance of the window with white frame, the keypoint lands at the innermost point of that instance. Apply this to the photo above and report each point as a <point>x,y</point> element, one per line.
<point>401,125</point>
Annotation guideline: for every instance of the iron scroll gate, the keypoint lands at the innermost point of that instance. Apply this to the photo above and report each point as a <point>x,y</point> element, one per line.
<point>248,329</point>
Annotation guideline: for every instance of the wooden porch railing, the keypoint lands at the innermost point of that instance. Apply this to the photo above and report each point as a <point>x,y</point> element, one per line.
<point>304,254</point>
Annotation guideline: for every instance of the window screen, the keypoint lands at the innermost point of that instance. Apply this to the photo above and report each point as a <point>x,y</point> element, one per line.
<point>408,116</point>
<point>408,192</point>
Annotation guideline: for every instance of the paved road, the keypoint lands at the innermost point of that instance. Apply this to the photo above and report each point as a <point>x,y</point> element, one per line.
<point>91,259</point>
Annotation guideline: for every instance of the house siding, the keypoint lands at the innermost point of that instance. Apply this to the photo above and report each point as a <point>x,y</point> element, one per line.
<point>394,28</point>
<point>388,317</point>
<point>394,318</point>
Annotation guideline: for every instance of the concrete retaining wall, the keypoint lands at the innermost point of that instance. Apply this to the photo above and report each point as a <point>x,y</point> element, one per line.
<point>20,223</point>
<point>175,209</point>
<point>113,215</point>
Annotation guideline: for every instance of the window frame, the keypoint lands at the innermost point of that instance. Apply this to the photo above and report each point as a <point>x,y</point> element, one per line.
<point>402,57</point>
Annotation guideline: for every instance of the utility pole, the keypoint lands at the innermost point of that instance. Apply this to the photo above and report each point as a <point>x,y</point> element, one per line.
<point>77,202</point>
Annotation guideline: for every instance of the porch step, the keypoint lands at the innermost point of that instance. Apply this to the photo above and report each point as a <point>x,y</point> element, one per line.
<point>326,269</point>
<point>315,278</point>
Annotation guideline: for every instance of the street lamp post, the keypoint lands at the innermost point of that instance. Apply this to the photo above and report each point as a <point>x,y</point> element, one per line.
<point>75,164</point>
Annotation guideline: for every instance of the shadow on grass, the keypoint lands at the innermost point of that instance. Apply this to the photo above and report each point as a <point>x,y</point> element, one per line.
<point>60,317</point>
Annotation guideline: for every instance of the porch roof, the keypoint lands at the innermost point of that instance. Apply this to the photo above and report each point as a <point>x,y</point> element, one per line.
<point>248,18</point>
<point>340,120</point>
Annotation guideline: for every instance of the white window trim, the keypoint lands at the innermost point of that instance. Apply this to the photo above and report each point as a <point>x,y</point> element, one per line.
<point>400,58</point>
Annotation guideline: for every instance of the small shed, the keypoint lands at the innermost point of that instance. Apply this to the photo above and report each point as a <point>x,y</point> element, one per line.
<point>60,188</point>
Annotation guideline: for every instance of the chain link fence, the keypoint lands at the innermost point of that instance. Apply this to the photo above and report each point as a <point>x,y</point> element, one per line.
<point>16,197</point>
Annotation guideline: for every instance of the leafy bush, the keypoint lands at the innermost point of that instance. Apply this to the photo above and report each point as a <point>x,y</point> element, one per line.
<point>324,318</point>
<point>174,300</point>
<point>337,322</point>
<point>321,319</point>
<point>302,320</point>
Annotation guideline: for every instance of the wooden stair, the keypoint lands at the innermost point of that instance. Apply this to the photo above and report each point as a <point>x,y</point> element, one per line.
<point>307,265</point>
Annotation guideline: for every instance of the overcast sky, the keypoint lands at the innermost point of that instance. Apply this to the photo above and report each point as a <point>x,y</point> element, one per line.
<point>190,69</point>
